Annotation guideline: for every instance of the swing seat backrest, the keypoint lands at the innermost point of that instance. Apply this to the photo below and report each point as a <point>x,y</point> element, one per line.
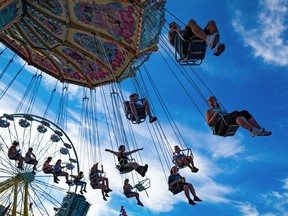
<point>140,187</point>
<point>189,52</point>
<point>177,162</point>
<point>140,111</point>
<point>96,175</point>
<point>122,169</point>
<point>96,185</point>
<point>229,130</point>
<point>73,182</point>
<point>143,185</point>
<point>30,162</point>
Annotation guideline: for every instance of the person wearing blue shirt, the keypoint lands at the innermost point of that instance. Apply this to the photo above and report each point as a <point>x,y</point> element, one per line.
<point>177,183</point>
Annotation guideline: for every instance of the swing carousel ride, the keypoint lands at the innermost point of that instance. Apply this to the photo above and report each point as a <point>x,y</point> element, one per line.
<point>94,45</point>
<point>86,43</point>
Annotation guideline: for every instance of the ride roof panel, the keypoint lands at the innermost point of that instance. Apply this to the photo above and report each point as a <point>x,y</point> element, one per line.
<point>88,43</point>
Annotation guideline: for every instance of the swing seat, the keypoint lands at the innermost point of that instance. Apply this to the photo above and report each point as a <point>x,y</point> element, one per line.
<point>175,160</point>
<point>95,185</point>
<point>189,52</point>
<point>93,176</point>
<point>121,166</point>
<point>140,111</point>
<point>122,169</point>
<point>73,181</point>
<point>176,189</point>
<point>96,175</point>
<point>225,129</point>
<point>29,162</point>
<point>143,185</point>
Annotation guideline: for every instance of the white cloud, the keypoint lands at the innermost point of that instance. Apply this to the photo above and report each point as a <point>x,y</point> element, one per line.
<point>268,39</point>
<point>217,192</point>
<point>285,181</point>
<point>247,209</point>
<point>278,200</point>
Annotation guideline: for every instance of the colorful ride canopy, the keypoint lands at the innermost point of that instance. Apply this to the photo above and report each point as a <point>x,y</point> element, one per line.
<point>88,43</point>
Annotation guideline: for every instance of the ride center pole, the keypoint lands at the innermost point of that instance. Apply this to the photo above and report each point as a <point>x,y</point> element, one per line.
<point>26,199</point>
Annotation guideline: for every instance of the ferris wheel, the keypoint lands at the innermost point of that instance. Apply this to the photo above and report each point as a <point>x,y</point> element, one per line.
<point>27,191</point>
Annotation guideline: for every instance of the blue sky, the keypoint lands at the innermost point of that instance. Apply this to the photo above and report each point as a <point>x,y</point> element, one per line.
<point>238,175</point>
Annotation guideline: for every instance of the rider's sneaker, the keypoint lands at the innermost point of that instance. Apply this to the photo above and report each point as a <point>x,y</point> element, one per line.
<point>191,202</point>
<point>195,169</point>
<point>197,199</point>
<point>152,119</point>
<point>138,121</point>
<point>212,40</point>
<point>144,170</point>
<point>219,48</point>
<point>108,190</point>
<point>265,133</point>
<point>256,131</point>
<point>140,203</point>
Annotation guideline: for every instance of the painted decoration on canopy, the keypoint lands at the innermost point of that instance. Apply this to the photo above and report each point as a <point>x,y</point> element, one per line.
<point>88,43</point>
<point>10,11</point>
